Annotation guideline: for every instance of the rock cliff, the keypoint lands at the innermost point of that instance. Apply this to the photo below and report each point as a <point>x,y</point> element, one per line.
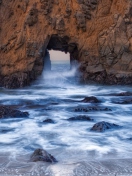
<point>97,33</point>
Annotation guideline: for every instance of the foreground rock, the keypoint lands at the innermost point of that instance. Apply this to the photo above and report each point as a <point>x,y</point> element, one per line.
<point>42,155</point>
<point>80,118</point>
<point>103,126</point>
<point>90,100</point>
<point>7,111</point>
<point>100,39</point>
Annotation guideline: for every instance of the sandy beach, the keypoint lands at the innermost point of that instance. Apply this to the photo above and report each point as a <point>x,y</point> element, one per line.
<point>19,165</point>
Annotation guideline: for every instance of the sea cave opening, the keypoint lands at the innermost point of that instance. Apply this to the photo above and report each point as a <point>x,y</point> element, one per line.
<point>60,54</point>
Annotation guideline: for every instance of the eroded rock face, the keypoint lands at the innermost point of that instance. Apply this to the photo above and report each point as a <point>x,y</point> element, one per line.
<point>96,33</point>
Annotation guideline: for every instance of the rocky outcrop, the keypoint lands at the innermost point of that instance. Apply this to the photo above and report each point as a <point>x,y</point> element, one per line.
<point>103,126</point>
<point>10,112</point>
<point>42,155</point>
<point>80,118</point>
<point>96,33</point>
<point>90,100</point>
<point>49,121</point>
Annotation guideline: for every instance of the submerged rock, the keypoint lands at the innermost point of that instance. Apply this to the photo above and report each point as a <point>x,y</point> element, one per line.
<point>48,121</point>
<point>102,126</point>
<point>7,111</point>
<point>6,130</point>
<point>92,108</point>
<point>90,100</point>
<point>42,155</point>
<point>124,94</point>
<point>80,118</point>
<point>125,101</point>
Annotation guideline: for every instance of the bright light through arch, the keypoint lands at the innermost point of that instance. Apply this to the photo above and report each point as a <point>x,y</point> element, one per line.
<point>59,59</point>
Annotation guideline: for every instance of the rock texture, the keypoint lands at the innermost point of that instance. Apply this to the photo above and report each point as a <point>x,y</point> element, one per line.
<point>80,118</point>
<point>96,33</point>
<point>103,126</point>
<point>90,100</point>
<point>49,121</point>
<point>42,155</point>
<point>11,112</point>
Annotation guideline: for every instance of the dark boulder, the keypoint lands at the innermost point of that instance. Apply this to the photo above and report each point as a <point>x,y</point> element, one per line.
<point>7,111</point>
<point>90,100</point>
<point>48,121</point>
<point>42,155</point>
<point>80,118</point>
<point>102,126</point>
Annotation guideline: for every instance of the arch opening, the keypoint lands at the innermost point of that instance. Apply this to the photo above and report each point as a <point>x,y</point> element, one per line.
<point>60,50</point>
<point>59,60</point>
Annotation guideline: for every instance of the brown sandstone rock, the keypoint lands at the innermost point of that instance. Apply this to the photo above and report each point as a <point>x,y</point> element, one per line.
<point>98,34</point>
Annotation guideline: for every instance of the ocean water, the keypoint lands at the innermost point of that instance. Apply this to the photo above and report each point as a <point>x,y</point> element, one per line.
<point>56,95</point>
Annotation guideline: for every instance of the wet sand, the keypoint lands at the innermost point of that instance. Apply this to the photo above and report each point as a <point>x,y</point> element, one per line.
<point>21,166</point>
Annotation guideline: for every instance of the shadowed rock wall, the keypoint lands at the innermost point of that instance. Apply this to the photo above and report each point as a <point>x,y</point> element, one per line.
<point>98,33</point>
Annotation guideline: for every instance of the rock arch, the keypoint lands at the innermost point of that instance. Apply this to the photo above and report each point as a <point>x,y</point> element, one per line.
<point>59,43</point>
<point>62,44</point>
<point>97,33</point>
